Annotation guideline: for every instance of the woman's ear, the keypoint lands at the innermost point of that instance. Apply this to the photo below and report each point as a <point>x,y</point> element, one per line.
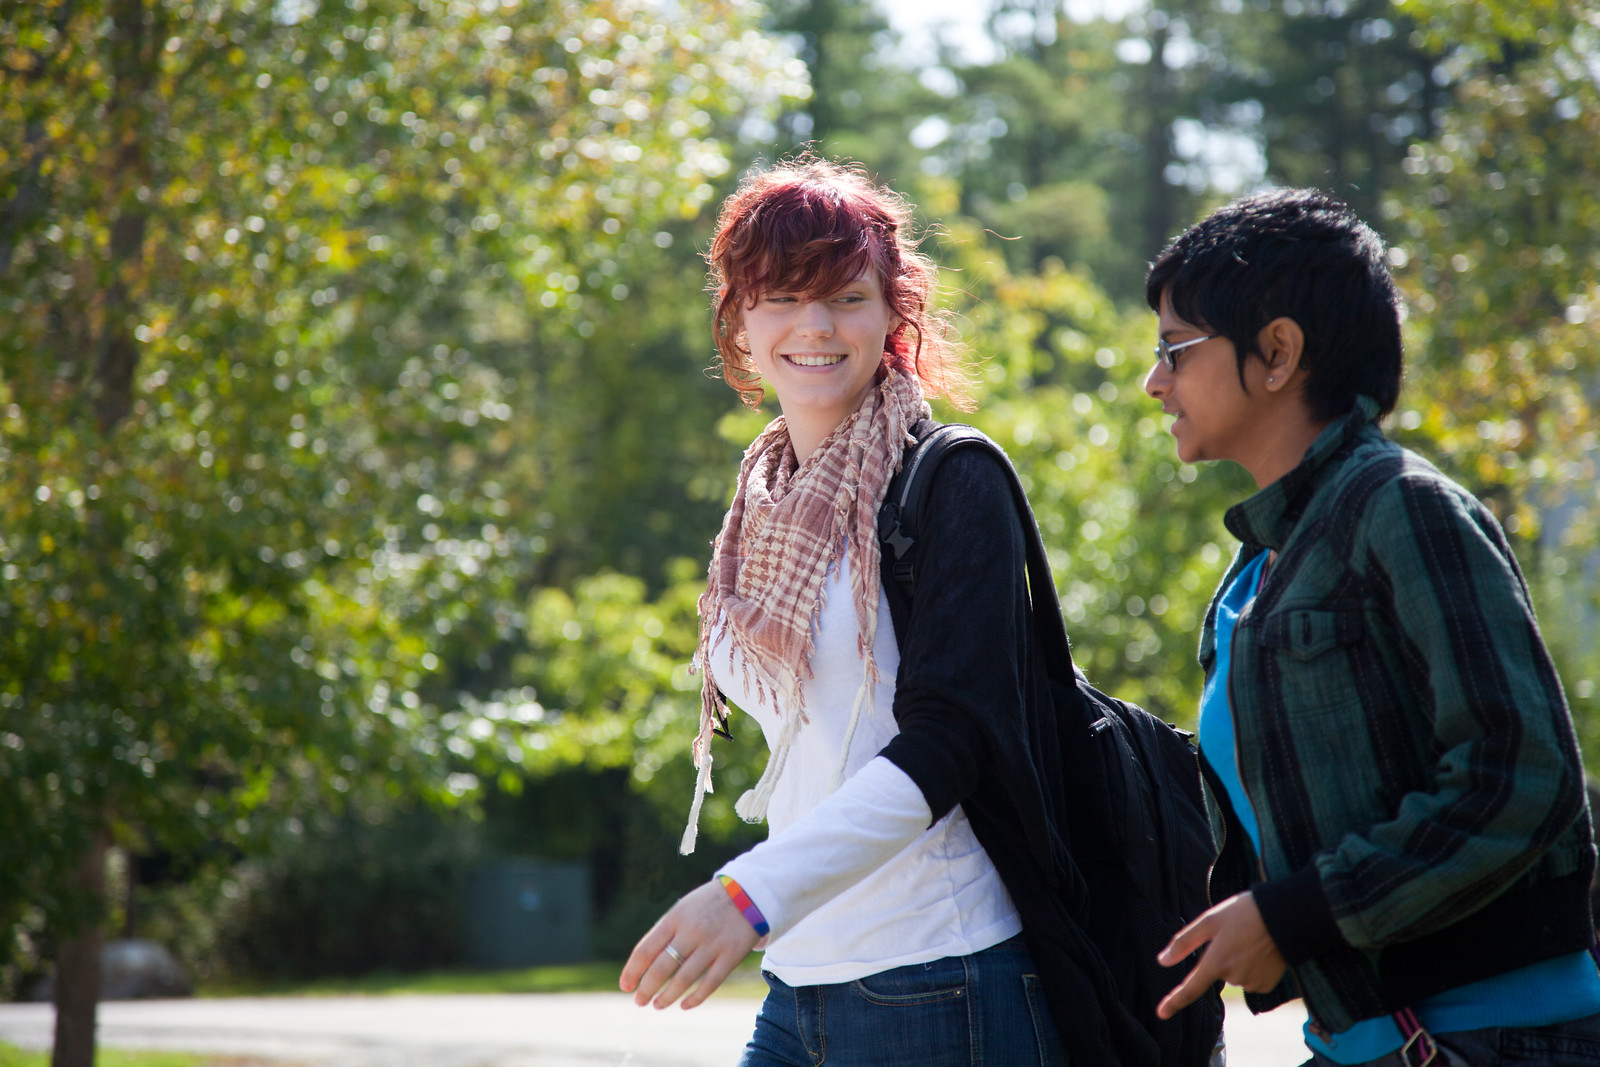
<point>1281,343</point>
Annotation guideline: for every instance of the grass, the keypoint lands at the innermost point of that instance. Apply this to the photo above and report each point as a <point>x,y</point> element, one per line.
<point>11,1056</point>
<point>745,981</point>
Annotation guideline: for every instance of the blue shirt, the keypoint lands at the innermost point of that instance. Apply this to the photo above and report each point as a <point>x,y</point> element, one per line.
<point>1548,992</point>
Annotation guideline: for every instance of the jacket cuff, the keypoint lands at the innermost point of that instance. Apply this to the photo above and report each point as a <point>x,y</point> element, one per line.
<point>1297,915</point>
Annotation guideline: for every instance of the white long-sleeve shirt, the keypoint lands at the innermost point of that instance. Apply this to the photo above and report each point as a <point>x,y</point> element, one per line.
<point>855,881</point>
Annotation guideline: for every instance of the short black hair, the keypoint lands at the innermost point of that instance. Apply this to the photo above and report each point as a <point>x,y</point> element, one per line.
<point>1301,254</point>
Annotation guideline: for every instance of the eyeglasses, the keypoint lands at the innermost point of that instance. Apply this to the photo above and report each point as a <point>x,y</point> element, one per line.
<point>1168,353</point>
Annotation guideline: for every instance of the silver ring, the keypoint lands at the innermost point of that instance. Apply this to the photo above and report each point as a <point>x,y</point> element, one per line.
<point>674,953</point>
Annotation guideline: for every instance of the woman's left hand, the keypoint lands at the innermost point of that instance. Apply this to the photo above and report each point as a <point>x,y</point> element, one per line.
<point>710,935</point>
<point>1238,950</point>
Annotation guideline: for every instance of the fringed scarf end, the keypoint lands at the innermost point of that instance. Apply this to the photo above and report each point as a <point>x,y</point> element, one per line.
<point>864,705</point>
<point>752,806</point>
<point>701,788</point>
<point>711,709</point>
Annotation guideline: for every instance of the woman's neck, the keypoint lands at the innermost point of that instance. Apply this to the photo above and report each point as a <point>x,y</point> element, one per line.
<point>807,435</point>
<point>1281,449</point>
<point>809,427</point>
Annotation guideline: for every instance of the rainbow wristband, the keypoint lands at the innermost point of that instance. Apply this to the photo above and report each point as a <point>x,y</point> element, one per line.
<point>746,906</point>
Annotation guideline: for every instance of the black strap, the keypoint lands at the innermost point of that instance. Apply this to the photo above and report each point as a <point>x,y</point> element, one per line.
<point>900,521</point>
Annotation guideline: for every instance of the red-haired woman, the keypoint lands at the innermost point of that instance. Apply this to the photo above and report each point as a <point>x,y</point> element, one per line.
<point>897,759</point>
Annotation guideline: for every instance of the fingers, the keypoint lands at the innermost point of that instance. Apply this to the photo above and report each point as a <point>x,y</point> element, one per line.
<point>1235,947</point>
<point>1186,941</point>
<point>704,970</point>
<point>713,978</point>
<point>710,937</point>
<point>666,979</point>
<point>644,954</point>
<point>680,977</point>
<point>1186,992</point>
<point>649,966</point>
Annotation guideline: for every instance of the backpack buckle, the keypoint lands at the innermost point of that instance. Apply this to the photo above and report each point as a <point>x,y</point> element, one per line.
<point>889,530</point>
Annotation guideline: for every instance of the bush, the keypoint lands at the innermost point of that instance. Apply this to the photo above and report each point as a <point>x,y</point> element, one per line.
<point>350,895</point>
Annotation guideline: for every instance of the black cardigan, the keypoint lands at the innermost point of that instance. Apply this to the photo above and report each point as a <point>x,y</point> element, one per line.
<point>977,728</point>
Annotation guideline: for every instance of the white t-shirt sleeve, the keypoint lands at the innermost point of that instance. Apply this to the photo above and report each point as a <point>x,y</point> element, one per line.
<point>863,824</point>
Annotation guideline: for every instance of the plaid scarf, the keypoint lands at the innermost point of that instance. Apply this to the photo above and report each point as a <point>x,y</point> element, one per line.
<point>788,525</point>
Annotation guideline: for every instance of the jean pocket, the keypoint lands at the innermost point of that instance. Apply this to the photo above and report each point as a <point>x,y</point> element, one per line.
<point>1044,1028</point>
<point>1549,1046</point>
<point>919,983</point>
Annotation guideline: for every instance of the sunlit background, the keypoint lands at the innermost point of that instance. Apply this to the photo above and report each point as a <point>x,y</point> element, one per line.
<point>363,446</point>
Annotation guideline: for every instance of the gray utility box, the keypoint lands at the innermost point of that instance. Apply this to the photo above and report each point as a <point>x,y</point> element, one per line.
<point>524,913</point>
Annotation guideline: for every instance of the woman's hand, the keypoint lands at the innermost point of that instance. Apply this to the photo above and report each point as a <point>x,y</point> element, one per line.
<point>1238,950</point>
<point>710,935</point>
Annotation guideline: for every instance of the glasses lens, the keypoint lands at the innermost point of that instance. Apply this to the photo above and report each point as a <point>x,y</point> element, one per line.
<point>1168,353</point>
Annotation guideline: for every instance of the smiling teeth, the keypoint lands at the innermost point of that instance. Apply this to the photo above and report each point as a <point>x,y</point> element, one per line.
<point>815,360</point>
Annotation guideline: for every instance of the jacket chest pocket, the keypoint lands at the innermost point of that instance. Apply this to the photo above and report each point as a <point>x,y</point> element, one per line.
<point>1319,694</point>
<point>1306,633</point>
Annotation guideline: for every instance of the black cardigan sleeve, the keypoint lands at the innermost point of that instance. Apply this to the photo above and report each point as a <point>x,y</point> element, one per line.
<point>961,687</point>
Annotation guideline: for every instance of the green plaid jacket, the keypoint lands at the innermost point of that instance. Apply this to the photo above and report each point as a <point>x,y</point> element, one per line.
<point>1402,736</point>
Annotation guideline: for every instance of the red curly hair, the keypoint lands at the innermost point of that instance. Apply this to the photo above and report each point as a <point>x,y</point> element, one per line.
<point>810,227</point>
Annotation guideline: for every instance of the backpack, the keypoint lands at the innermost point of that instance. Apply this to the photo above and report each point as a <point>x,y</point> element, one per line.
<point>1140,835</point>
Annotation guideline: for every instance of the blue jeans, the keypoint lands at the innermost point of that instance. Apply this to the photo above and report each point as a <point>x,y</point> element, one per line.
<point>1569,1044</point>
<point>986,1008</point>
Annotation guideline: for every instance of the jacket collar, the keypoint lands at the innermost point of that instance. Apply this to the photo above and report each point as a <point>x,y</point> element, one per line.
<point>1268,517</point>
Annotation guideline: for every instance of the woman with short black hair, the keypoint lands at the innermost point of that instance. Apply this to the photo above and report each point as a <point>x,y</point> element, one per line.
<point>1404,841</point>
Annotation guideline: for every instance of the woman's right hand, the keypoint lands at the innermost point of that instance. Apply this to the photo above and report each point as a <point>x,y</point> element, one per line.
<point>1238,950</point>
<point>710,935</point>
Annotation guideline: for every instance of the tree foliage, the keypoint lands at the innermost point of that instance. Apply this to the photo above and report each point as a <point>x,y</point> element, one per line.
<point>354,394</point>
<point>294,381</point>
<point>1497,229</point>
<point>1135,539</point>
<point>1336,91</point>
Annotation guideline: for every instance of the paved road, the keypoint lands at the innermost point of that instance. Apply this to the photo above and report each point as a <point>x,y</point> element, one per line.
<point>557,1030</point>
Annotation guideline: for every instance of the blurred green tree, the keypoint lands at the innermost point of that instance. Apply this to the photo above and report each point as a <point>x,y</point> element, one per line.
<point>1135,538</point>
<point>1062,142</point>
<point>289,291</point>
<point>864,99</point>
<point>1335,92</point>
<point>1094,140</point>
<point>1498,229</point>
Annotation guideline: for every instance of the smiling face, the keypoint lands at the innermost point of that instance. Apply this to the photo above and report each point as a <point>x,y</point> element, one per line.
<point>820,354</point>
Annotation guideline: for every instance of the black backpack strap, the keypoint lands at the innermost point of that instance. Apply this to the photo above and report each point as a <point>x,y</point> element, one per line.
<point>900,515</point>
<point>902,518</point>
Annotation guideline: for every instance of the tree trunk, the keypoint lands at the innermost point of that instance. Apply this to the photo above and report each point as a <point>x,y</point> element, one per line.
<point>135,48</point>
<point>1159,214</point>
<point>130,894</point>
<point>824,107</point>
<point>78,965</point>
